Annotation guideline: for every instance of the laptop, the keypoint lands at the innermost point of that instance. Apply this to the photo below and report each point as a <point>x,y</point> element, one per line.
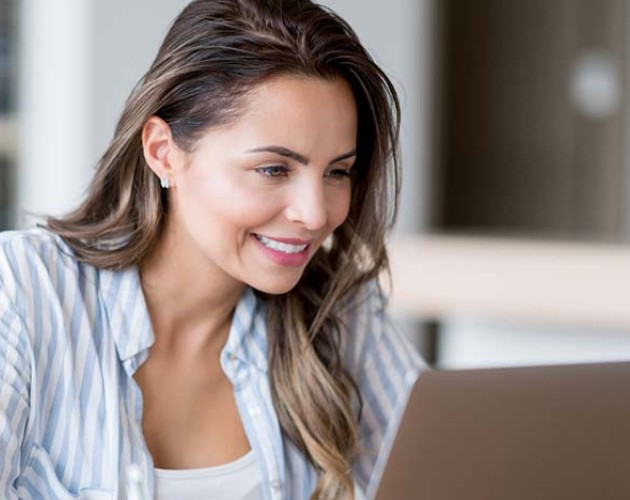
<point>527,433</point>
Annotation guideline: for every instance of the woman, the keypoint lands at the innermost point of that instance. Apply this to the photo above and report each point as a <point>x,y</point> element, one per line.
<point>208,324</point>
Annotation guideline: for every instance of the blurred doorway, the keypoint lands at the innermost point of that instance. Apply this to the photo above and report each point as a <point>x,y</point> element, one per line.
<point>532,118</point>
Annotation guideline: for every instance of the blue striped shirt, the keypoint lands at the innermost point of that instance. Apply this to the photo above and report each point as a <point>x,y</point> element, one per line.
<point>71,338</point>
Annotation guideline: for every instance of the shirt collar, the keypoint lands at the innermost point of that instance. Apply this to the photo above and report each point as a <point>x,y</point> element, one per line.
<point>128,315</point>
<point>247,339</point>
<point>130,323</point>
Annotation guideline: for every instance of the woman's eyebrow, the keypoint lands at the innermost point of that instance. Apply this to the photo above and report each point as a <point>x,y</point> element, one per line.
<point>345,156</point>
<point>282,151</point>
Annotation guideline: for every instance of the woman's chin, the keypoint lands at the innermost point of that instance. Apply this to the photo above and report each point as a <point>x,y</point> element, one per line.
<point>276,285</point>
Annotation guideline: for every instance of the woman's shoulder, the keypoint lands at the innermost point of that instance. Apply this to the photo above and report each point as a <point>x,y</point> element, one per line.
<point>362,306</point>
<point>384,364</point>
<point>363,315</point>
<point>370,336</point>
<point>34,256</point>
<point>34,241</point>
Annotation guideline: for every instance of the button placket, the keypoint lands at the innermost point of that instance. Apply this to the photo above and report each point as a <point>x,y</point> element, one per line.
<point>276,488</point>
<point>261,439</point>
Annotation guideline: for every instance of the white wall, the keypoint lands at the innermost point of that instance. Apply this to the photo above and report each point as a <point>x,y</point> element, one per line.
<point>79,60</point>
<point>126,39</point>
<point>54,108</point>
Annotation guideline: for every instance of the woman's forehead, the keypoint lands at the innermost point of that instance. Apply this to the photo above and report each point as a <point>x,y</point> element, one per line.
<point>295,112</point>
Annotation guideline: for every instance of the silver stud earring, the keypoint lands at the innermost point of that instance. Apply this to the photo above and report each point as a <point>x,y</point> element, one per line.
<point>165,183</point>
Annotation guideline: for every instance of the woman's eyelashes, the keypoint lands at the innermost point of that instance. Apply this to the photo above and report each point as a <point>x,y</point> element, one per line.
<point>274,171</point>
<point>340,173</point>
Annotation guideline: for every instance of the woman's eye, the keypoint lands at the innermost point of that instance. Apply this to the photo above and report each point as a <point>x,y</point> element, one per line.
<point>273,171</point>
<point>340,173</point>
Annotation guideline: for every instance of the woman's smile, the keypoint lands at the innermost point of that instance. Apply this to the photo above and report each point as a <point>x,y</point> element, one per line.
<point>283,245</point>
<point>282,254</point>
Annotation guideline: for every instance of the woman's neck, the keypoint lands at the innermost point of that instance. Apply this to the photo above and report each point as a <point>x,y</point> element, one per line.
<point>190,300</point>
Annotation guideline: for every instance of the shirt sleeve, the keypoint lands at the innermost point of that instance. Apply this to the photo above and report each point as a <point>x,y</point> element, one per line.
<point>385,366</point>
<point>14,395</point>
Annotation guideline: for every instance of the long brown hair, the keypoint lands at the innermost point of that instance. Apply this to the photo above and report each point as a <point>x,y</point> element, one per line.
<point>215,52</point>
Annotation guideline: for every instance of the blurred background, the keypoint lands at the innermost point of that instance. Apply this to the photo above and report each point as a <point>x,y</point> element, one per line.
<point>512,243</point>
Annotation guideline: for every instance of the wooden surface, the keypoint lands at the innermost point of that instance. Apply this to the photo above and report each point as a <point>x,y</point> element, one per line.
<point>515,280</point>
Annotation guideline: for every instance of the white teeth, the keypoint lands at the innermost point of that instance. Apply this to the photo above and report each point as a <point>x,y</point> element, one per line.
<point>281,247</point>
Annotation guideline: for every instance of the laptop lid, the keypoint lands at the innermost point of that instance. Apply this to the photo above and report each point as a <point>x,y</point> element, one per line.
<point>543,433</point>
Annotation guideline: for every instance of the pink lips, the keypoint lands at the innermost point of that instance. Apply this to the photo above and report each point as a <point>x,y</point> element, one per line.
<point>285,259</point>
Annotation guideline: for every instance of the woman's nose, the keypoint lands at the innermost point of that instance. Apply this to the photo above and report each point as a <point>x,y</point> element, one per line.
<point>307,205</point>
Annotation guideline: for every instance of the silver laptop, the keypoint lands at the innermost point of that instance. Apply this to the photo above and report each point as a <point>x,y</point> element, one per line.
<point>531,433</point>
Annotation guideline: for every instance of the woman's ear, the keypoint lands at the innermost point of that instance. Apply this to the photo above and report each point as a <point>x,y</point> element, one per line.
<point>160,151</point>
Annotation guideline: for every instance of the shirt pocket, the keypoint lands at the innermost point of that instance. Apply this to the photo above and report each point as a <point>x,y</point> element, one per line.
<point>40,479</point>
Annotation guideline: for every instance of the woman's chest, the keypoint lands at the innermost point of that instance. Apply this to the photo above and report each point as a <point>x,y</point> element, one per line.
<point>91,435</point>
<point>190,417</point>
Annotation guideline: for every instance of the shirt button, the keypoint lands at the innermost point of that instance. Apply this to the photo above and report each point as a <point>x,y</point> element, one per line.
<point>254,411</point>
<point>232,357</point>
<point>276,485</point>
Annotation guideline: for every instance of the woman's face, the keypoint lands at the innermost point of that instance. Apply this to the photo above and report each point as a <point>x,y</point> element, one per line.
<point>257,198</point>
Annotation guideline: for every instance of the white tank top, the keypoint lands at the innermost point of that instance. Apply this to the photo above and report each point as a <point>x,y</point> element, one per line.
<point>238,480</point>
